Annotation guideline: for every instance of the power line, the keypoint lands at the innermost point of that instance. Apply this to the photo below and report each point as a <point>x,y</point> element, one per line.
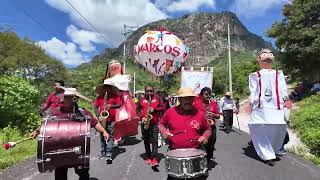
<point>89,23</point>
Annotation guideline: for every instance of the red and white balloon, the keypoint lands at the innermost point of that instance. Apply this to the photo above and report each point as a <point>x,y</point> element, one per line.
<point>160,52</point>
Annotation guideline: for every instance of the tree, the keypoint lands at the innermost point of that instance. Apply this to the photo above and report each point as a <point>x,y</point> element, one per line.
<point>298,38</point>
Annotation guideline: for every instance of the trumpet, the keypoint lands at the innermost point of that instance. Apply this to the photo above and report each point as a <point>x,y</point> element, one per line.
<point>148,115</point>
<point>104,113</point>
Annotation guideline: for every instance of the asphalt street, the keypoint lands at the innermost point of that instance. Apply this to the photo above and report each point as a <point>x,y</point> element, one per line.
<point>234,161</point>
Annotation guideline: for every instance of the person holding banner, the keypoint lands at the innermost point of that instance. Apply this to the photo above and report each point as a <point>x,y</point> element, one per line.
<point>268,97</point>
<point>205,104</point>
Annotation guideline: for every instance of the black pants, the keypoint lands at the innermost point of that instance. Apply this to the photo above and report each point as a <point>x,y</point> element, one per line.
<point>62,173</point>
<point>150,136</point>
<point>211,142</point>
<point>228,119</point>
<point>286,139</point>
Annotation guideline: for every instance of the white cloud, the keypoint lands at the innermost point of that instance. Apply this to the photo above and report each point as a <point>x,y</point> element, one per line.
<point>66,52</point>
<point>108,16</point>
<point>254,8</point>
<point>189,5</point>
<point>83,38</point>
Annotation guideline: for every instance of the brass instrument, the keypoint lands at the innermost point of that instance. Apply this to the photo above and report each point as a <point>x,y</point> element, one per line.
<point>148,115</point>
<point>208,113</point>
<point>104,113</point>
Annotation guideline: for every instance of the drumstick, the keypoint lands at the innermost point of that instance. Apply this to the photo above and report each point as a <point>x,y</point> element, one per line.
<point>12,144</point>
<point>179,132</point>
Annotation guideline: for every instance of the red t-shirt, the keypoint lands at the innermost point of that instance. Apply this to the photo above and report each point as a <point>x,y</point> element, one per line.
<point>112,100</point>
<point>61,114</point>
<point>201,106</point>
<point>155,104</point>
<point>186,129</point>
<point>54,100</point>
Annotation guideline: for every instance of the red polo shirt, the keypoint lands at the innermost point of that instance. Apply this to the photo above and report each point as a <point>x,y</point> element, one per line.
<point>203,105</point>
<point>155,104</point>
<point>186,129</point>
<point>112,100</point>
<point>62,114</point>
<point>54,100</point>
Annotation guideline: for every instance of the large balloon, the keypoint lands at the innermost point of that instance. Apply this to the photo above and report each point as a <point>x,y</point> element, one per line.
<point>160,52</point>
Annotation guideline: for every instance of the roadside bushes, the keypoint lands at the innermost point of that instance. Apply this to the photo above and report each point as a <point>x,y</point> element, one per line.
<point>307,121</point>
<point>19,104</point>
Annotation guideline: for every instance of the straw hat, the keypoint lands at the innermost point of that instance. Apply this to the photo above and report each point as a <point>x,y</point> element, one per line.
<point>73,92</point>
<point>186,92</point>
<point>227,93</point>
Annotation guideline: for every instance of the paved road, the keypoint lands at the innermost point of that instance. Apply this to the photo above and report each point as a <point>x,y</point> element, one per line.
<point>234,161</point>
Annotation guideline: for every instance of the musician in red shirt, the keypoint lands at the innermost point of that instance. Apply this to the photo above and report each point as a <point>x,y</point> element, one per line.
<point>112,103</point>
<point>184,125</point>
<point>70,108</point>
<point>152,104</point>
<point>204,103</point>
<point>55,98</point>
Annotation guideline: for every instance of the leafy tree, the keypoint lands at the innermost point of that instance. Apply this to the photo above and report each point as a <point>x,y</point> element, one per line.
<point>19,103</point>
<point>298,37</point>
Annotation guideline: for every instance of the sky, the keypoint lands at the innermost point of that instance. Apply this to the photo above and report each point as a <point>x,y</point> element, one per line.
<point>57,27</point>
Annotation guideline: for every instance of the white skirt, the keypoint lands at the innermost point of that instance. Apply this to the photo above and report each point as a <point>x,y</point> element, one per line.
<point>267,139</point>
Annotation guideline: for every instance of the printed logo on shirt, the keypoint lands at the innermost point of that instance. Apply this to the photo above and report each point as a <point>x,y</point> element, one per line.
<point>195,124</point>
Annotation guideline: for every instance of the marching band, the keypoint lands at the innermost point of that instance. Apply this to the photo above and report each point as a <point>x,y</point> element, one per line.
<point>189,127</point>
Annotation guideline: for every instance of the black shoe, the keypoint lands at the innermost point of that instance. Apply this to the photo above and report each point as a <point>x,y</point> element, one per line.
<point>108,159</point>
<point>269,162</point>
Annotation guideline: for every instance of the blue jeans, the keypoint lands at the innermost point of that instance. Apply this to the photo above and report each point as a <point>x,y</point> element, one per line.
<point>106,147</point>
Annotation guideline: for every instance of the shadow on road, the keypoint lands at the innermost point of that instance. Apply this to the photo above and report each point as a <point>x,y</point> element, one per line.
<point>130,141</point>
<point>117,151</point>
<point>251,152</point>
<point>212,164</point>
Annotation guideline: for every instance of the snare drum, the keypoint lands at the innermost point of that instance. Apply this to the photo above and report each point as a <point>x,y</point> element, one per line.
<point>186,163</point>
<point>63,143</point>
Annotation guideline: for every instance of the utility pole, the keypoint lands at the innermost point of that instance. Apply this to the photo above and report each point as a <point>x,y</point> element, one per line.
<point>127,31</point>
<point>229,56</point>
<point>134,82</point>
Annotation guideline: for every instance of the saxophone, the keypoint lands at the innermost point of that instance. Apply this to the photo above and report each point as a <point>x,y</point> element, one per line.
<point>104,113</point>
<point>148,115</point>
<point>208,113</point>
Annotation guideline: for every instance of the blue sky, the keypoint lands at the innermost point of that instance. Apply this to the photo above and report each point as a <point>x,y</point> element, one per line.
<point>57,27</point>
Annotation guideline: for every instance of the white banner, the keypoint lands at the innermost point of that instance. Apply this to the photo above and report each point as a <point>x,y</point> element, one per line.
<point>196,80</point>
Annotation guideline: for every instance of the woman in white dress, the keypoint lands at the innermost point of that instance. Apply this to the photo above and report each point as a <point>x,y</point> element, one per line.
<point>268,97</point>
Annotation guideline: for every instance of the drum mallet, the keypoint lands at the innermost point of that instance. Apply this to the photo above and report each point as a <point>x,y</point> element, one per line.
<point>12,144</point>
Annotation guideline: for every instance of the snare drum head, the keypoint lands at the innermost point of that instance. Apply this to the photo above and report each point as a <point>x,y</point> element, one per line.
<point>188,152</point>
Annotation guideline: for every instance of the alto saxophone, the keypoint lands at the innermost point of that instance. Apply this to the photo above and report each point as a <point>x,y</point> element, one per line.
<point>104,113</point>
<point>209,117</point>
<point>148,115</point>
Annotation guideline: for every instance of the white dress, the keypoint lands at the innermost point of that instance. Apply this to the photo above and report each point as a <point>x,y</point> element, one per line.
<point>267,125</point>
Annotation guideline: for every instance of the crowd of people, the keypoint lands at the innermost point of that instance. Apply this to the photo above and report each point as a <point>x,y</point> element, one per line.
<point>184,120</point>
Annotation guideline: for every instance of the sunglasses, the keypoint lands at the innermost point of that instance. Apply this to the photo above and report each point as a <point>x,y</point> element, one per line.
<point>149,90</point>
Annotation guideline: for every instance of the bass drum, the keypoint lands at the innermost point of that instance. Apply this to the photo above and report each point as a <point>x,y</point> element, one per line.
<point>186,163</point>
<point>63,143</point>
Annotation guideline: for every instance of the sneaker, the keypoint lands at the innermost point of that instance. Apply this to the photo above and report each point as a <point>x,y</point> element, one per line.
<point>108,159</point>
<point>102,156</point>
<point>281,152</point>
<point>154,162</point>
<point>148,161</point>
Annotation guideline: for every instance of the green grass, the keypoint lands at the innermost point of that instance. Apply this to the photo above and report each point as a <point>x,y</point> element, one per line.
<point>306,120</point>
<point>19,152</point>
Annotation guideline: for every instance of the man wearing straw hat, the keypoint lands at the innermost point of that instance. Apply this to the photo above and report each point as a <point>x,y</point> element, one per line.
<point>185,120</point>
<point>69,106</point>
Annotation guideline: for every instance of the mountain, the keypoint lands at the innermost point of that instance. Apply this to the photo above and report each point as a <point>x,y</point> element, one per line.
<point>205,33</point>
